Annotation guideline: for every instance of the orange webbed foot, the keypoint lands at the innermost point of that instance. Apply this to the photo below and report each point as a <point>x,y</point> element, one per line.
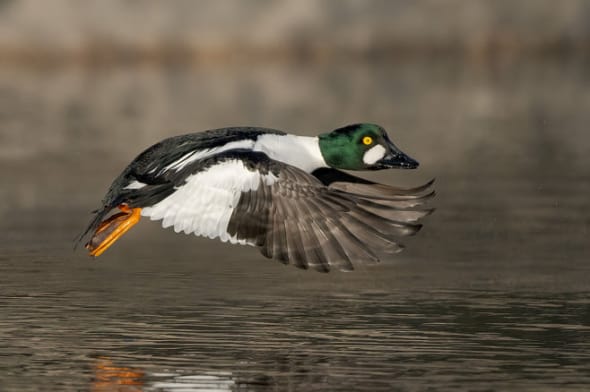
<point>111,229</point>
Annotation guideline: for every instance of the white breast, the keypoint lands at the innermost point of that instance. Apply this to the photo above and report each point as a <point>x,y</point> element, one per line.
<point>299,151</point>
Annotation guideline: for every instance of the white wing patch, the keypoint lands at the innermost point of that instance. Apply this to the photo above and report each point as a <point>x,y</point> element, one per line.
<point>135,185</point>
<point>200,154</point>
<point>203,205</point>
<point>374,154</point>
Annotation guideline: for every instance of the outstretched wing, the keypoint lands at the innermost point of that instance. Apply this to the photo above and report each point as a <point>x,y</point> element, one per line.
<point>245,197</point>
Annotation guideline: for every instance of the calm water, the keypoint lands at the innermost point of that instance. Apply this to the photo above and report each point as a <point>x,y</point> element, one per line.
<point>493,294</point>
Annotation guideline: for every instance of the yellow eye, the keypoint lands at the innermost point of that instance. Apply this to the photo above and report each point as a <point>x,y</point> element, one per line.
<point>367,140</point>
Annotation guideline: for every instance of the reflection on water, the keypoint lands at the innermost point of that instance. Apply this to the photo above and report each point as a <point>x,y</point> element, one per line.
<point>343,341</point>
<point>107,376</point>
<point>209,382</point>
<point>492,294</point>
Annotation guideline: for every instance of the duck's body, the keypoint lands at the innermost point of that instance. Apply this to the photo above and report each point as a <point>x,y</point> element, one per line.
<point>269,189</point>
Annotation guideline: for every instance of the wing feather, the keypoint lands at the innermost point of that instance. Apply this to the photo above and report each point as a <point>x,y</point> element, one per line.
<point>339,228</point>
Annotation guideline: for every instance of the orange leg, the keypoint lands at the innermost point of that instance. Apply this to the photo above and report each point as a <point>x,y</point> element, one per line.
<point>112,228</point>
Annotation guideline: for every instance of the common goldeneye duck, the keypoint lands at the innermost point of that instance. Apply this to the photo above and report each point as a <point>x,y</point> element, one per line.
<point>282,193</point>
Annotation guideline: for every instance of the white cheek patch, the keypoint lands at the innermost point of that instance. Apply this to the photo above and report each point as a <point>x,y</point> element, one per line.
<point>374,154</point>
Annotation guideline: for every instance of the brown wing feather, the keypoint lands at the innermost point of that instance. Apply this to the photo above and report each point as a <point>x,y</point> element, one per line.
<point>298,220</point>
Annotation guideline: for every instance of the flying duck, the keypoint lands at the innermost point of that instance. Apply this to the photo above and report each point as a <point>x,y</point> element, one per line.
<point>283,193</point>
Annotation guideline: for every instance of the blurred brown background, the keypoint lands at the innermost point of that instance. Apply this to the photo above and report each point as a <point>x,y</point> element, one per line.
<point>261,30</point>
<point>492,97</point>
<point>73,73</point>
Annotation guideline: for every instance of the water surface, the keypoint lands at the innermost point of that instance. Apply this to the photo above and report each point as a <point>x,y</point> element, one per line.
<point>493,294</point>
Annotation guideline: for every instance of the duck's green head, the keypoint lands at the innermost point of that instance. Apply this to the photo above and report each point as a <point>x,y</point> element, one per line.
<point>362,147</point>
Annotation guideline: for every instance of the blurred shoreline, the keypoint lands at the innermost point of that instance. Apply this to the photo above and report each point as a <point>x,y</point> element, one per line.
<point>99,54</point>
<point>111,32</point>
<point>512,108</point>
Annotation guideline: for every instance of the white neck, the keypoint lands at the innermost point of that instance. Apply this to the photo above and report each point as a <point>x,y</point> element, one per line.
<point>299,151</point>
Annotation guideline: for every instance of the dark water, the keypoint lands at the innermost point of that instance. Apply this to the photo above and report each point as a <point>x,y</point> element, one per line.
<point>493,294</point>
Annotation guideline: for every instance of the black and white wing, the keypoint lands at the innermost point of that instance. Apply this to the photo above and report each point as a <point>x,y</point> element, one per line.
<point>159,170</point>
<point>244,197</point>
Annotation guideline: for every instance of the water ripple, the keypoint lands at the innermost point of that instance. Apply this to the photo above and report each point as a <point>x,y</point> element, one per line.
<point>362,341</point>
